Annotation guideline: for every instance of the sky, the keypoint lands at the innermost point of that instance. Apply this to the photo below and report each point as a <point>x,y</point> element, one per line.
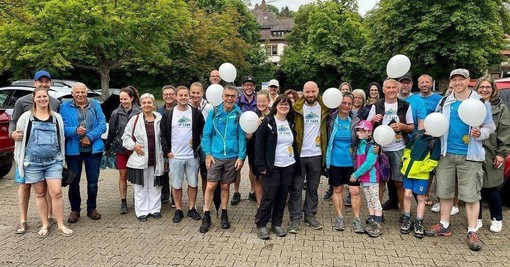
<point>364,5</point>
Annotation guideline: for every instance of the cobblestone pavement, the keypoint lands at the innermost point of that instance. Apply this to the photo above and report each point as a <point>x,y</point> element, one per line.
<point>120,240</point>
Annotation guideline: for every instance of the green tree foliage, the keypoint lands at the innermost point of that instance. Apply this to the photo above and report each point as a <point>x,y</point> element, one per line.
<point>325,44</point>
<point>437,36</point>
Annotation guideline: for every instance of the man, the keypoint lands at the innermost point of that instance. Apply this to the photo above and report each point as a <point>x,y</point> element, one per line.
<point>398,114</point>
<point>462,156</point>
<point>247,102</point>
<point>214,77</point>
<point>429,98</point>
<point>42,79</point>
<point>168,93</point>
<point>310,118</point>
<point>224,145</point>
<point>274,90</point>
<point>181,130</point>
<point>84,123</point>
<point>417,104</point>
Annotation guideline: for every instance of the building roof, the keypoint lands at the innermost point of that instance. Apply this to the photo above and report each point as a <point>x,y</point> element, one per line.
<point>268,20</point>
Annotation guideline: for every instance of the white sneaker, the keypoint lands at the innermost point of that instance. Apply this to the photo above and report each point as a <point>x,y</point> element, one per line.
<point>436,207</point>
<point>454,211</point>
<point>496,226</point>
<point>479,224</point>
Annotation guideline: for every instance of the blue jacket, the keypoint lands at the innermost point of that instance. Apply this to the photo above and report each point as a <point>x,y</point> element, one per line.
<point>223,137</point>
<point>70,115</point>
<point>332,128</point>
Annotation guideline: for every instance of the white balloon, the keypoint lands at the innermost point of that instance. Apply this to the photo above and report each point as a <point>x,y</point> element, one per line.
<point>436,124</point>
<point>214,94</point>
<point>332,98</point>
<point>249,121</point>
<point>384,135</point>
<point>472,112</point>
<point>397,66</point>
<point>228,72</point>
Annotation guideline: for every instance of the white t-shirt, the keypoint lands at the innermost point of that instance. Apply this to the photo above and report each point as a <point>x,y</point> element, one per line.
<point>390,113</point>
<point>284,154</point>
<point>182,137</point>
<point>311,135</point>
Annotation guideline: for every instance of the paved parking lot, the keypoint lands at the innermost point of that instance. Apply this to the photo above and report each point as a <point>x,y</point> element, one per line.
<point>120,240</point>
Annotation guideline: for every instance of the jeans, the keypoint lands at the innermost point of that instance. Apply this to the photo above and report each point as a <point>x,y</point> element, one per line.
<point>493,198</point>
<point>311,168</point>
<point>92,164</point>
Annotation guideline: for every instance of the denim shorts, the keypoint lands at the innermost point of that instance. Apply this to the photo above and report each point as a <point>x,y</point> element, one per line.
<point>38,170</point>
<point>418,186</point>
<point>181,167</point>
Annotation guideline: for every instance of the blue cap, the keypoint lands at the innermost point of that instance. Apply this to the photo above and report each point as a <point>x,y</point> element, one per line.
<point>41,73</point>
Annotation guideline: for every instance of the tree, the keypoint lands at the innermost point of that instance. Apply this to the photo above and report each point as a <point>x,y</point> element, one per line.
<point>324,44</point>
<point>437,36</point>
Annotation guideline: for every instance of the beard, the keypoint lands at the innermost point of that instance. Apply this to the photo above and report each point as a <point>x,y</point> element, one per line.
<point>310,100</point>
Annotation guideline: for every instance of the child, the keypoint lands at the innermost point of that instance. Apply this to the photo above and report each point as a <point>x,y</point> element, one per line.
<point>420,157</point>
<point>365,162</point>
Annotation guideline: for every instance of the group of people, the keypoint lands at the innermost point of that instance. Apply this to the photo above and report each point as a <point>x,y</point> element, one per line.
<point>297,140</point>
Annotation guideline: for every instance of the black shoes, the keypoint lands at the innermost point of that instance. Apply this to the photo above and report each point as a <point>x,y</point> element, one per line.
<point>178,216</point>
<point>142,218</point>
<point>225,224</point>
<point>123,207</point>
<point>328,194</point>
<point>390,205</point>
<point>193,214</point>
<point>252,196</point>
<point>156,215</point>
<point>206,223</point>
<point>236,198</point>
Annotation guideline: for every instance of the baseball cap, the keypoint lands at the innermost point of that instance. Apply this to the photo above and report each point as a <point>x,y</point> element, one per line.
<point>406,76</point>
<point>41,73</point>
<point>249,78</point>
<point>365,125</point>
<point>274,82</point>
<point>463,72</point>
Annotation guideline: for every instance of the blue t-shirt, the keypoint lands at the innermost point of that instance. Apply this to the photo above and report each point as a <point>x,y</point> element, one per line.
<point>458,134</point>
<point>418,108</point>
<point>431,102</point>
<point>341,152</point>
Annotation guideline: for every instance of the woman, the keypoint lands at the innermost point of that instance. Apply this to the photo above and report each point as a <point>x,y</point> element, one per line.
<point>340,163</point>
<point>276,158</point>
<point>141,136</point>
<point>39,158</point>
<point>345,87</point>
<point>359,101</point>
<point>120,117</point>
<point>374,92</point>
<point>497,147</point>
<point>292,94</point>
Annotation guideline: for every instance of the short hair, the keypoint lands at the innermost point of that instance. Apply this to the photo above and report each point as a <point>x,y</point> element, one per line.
<point>197,84</point>
<point>349,95</point>
<point>495,91</point>
<point>148,95</point>
<point>180,88</point>
<point>79,84</point>
<point>389,80</point>
<point>284,99</point>
<point>425,76</point>
<point>230,87</point>
<point>168,86</point>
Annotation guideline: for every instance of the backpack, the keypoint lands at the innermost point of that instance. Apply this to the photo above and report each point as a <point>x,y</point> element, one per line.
<point>382,165</point>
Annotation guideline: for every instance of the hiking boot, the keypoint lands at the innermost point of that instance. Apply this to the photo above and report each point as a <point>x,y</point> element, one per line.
<point>123,208</point>
<point>178,216</point>
<point>294,227</point>
<point>94,215</point>
<point>312,222</point>
<point>206,223</point>
<point>328,194</point>
<point>496,226</point>
<point>375,230</point>
<point>339,224</point>
<point>347,201</point>
<point>252,196</point>
<point>419,230</point>
<point>473,241</point>
<point>193,214</point>
<point>263,233</point>
<point>225,224</point>
<point>278,230</point>
<point>405,228</point>
<point>358,228</point>
<point>438,230</point>
<point>236,198</point>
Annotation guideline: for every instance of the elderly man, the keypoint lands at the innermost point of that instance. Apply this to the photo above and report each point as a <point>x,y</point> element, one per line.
<point>462,156</point>
<point>417,104</point>
<point>168,93</point>
<point>84,123</point>
<point>274,90</point>
<point>214,77</point>
<point>42,79</point>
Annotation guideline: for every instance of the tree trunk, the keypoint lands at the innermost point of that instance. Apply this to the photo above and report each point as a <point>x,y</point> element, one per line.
<point>105,82</point>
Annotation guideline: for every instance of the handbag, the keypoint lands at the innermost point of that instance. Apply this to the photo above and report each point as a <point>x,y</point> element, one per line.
<point>124,151</point>
<point>68,176</point>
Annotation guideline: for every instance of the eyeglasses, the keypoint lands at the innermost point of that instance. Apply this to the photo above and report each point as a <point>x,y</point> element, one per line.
<point>283,104</point>
<point>170,94</point>
<point>215,75</point>
<point>229,96</point>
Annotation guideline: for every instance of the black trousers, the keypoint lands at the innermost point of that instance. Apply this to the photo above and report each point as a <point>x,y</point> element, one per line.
<point>276,189</point>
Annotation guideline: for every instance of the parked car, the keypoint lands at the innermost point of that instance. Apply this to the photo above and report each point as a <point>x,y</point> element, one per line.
<point>6,144</point>
<point>54,83</point>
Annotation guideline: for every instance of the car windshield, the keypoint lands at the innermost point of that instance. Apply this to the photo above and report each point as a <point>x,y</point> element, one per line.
<point>4,96</point>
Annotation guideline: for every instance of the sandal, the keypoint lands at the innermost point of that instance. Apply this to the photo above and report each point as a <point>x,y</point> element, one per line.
<point>64,231</point>
<point>428,202</point>
<point>44,232</point>
<point>21,228</point>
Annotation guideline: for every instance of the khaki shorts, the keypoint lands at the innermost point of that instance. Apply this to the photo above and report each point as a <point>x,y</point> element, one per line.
<point>468,173</point>
<point>223,170</point>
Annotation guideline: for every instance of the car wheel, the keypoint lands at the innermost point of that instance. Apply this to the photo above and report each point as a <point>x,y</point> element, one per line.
<point>5,170</point>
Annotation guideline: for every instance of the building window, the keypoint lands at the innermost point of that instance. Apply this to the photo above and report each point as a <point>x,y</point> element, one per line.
<point>272,50</point>
<point>277,34</point>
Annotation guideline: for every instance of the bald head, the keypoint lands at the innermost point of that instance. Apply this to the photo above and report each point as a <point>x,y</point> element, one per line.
<point>310,92</point>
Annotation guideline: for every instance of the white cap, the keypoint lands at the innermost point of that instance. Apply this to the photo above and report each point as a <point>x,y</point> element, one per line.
<point>274,82</point>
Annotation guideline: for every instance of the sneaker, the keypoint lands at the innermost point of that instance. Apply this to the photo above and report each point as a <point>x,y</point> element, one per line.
<point>369,220</point>
<point>473,241</point>
<point>436,207</point>
<point>263,233</point>
<point>401,218</point>
<point>479,224</point>
<point>252,196</point>
<point>405,228</point>
<point>328,194</point>
<point>347,201</point>
<point>496,226</point>
<point>374,230</point>
<point>278,230</point>
<point>339,224</point>
<point>156,215</point>
<point>193,214</point>
<point>178,216</point>
<point>236,198</point>
<point>454,211</point>
<point>206,223</point>
<point>225,224</point>
<point>438,230</point>
<point>294,227</point>
<point>312,222</point>
<point>419,230</point>
<point>123,208</point>
<point>358,228</point>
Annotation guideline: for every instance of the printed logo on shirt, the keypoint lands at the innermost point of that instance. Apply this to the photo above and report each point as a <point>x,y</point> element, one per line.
<point>318,141</point>
<point>184,122</point>
<point>291,151</point>
<point>312,117</point>
<point>284,130</point>
<point>465,139</point>
<point>390,115</point>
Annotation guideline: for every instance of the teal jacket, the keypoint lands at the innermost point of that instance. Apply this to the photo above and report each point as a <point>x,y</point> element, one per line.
<point>223,137</point>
